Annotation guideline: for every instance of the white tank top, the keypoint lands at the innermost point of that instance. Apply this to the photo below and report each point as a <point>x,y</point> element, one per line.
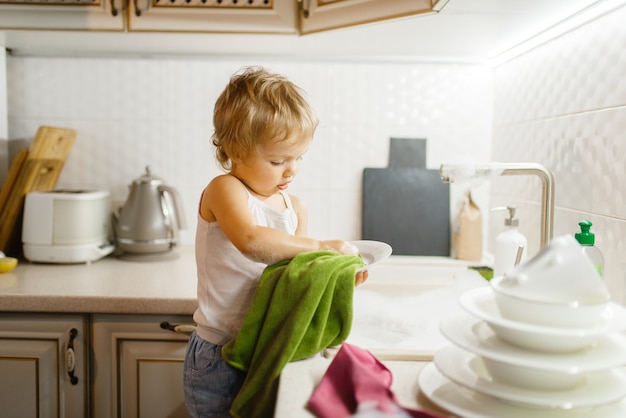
<point>227,279</point>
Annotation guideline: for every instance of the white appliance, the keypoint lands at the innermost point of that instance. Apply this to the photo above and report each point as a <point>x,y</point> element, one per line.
<point>67,226</point>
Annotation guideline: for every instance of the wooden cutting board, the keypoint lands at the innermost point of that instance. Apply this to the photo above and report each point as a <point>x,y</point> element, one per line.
<point>37,168</point>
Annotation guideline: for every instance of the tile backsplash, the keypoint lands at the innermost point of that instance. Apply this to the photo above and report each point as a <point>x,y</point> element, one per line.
<point>563,104</point>
<point>130,113</point>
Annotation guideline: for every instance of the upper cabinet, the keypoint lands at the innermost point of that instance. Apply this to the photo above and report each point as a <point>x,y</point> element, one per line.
<point>238,16</point>
<point>222,16</point>
<point>59,14</point>
<point>204,16</point>
<point>320,15</point>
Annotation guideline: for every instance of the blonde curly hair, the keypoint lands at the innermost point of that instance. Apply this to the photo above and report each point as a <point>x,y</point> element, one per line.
<point>256,107</point>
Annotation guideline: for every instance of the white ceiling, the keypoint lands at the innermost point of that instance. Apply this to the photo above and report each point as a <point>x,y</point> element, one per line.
<point>473,30</point>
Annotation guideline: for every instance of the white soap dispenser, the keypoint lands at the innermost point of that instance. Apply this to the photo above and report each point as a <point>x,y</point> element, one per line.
<point>511,246</point>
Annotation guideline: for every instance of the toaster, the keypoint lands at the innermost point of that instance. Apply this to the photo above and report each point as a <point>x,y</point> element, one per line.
<point>67,226</point>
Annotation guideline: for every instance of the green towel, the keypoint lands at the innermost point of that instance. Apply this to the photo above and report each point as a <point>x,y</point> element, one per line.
<point>301,306</point>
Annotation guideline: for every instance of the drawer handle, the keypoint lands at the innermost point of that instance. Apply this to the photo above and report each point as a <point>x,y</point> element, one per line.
<point>179,328</point>
<point>70,357</point>
<point>138,10</point>
<point>115,11</point>
<point>306,8</point>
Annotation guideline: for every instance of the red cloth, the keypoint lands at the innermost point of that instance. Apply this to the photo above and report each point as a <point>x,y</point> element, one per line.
<point>356,377</point>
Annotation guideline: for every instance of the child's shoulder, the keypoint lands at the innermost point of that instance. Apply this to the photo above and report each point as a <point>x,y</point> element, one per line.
<point>221,191</point>
<point>222,185</point>
<point>225,180</point>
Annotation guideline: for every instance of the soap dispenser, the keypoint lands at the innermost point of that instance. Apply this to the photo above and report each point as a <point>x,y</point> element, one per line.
<point>587,239</point>
<point>510,247</point>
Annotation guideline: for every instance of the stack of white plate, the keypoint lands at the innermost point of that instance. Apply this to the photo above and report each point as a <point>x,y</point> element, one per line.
<point>498,367</point>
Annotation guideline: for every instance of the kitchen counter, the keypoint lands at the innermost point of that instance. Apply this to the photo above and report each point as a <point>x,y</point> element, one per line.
<point>109,285</point>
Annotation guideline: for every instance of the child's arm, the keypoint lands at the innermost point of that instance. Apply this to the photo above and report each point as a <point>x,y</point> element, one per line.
<point>225,200</point>
<point>303,217</point>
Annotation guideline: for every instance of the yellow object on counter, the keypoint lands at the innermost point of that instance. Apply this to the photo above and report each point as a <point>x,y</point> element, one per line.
<point>7,264</point>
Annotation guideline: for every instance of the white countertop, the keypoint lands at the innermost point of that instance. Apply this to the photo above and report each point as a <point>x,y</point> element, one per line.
<point>299,379</point>
<point>109,285</point>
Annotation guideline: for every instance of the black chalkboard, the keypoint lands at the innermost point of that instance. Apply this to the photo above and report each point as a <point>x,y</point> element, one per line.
<point>408,208</point>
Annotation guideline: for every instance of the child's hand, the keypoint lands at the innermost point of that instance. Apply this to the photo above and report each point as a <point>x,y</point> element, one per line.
<point>345,248</point>
<point>360,277</point>
<point>340,246</point>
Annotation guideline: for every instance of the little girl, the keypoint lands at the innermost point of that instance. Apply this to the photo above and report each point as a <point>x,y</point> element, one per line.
<point>246,221</point>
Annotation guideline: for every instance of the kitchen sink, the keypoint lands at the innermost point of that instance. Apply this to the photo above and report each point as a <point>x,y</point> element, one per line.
<point>397,310</point>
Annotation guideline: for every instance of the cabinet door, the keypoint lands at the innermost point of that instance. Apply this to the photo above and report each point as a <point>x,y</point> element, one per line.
<point>138,366</point>
<point>250,16</point>
<point>43,366</point>
<point>220,16</point>
<point>151,379</point>
<point>62,14</point>
<point>320,15</point>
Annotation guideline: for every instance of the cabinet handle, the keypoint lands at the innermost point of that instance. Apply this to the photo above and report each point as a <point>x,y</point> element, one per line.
<point>138,10</point>
<point>115,11</point>
<point>306,7</point>
<point>179,328</point>
<point>70,357</point>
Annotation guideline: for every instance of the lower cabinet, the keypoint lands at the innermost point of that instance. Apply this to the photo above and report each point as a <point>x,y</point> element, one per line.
<point>43,365</point>
<point>101,366</point>
<point>137,365</point>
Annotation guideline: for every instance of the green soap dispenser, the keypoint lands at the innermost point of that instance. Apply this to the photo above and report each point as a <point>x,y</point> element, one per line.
<point>587,239</point>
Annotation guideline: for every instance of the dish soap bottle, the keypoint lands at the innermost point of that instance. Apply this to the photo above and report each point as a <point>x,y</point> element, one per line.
<point>511,245</point>
<point>587,239</point>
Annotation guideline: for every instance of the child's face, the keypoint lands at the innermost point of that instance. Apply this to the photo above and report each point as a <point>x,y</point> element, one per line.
<point>271,167</point>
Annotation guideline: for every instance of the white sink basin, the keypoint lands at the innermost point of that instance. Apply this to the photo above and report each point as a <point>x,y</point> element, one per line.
<point>398,309</point>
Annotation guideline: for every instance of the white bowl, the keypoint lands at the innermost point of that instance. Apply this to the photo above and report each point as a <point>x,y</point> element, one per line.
<point>560,273</point>
<point>558,287</point>
<point>546,339</point>
<point>530,378</point>
<point>570,315</point>
<point>476,336</point>
<point>594,389</point>
<point>481,303</point>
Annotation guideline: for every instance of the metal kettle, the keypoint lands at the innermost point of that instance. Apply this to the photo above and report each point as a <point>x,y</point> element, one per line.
<point>151,217</point>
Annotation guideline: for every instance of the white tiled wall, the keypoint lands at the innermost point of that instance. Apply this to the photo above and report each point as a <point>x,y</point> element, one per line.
<point>134,112</point>
<point>564,105</point>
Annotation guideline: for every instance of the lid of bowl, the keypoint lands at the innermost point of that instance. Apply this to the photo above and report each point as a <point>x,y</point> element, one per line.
<point>559,273</point>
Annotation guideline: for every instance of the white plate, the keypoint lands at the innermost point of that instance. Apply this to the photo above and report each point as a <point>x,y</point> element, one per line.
<point>476,336</point>
<point>595,389</point>
<point>480,303</point>
<point>372,252</point>
<point>467,403</point>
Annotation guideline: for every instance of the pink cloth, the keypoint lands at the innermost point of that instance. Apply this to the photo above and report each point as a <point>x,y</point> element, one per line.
<point>356,377</point>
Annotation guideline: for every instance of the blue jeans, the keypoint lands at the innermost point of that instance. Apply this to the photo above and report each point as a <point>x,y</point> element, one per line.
<point>210,383</point>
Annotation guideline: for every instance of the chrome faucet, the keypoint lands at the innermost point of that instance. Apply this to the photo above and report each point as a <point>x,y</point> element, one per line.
<point>451,172</point>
